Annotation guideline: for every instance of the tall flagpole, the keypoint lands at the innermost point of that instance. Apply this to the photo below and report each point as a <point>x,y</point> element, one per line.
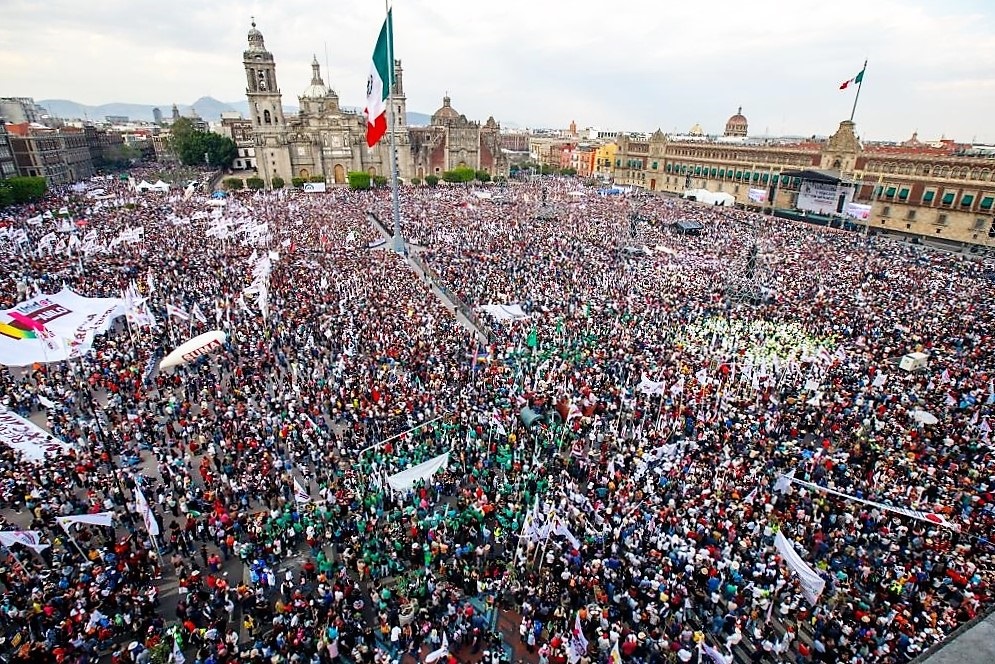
<point>398,239</point>
<point>857,96</point>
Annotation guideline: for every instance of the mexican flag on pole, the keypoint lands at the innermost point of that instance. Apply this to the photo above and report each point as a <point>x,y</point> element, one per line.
<point>378,84</point>
<point>856,79</point>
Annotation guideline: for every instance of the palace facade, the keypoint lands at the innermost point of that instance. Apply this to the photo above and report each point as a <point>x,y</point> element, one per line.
<point>912,188</point>
<point>324,139</point>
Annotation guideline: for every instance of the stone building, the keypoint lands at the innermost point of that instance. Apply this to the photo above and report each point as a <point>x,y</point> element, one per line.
<point>324,139</point>
<point>912,190</point>
<point>61,156</point>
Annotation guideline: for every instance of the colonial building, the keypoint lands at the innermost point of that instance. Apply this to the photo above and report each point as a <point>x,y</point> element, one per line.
<point>911,189</point>
<point>8,168</point>
<point>326,140</point>
<point>61,156</point>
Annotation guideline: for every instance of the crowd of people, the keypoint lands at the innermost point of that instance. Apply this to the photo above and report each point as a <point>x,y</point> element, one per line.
<point>614,482</point>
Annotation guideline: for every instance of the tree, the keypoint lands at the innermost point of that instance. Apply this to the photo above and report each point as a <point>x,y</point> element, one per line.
<point>482,176</point>
<point>297,183</point>
<point>415,181</point>
<point>278,182</point>
<point>19,190</point>
<point>359,180</point>
<point>459,174</point>
<point>568,171</point>
<point>316,178</point>
<point>431,180</point>
<point>254,183</point>
<point>234,184</point>
<point>192,145</point>
<point>379,181</point>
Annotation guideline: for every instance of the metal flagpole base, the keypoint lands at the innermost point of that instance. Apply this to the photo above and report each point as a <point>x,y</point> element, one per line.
<point>397,243</point>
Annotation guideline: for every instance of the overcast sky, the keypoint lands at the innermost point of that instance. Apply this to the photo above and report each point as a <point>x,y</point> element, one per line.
<point>635,65</point>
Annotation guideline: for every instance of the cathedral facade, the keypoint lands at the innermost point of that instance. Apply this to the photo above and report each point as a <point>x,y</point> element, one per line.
<point>324,139</point>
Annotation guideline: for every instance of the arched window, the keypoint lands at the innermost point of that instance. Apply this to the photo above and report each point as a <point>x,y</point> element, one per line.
<point>267,118</point>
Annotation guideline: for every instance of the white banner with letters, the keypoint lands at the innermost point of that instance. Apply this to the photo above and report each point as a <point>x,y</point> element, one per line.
<point>53,328</point>
<point>820,198</point>
<point>28,438</point>
<point>812,584</point>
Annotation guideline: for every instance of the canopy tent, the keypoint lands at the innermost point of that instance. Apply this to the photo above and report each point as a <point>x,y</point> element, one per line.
<point>815,175</point>
<point>689,227</point>
<point>710,197</point>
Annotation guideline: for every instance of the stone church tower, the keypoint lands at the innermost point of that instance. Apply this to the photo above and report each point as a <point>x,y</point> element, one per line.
<point>269,128</point>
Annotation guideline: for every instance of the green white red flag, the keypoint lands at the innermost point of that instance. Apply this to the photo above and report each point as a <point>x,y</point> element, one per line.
<point>378,84</point>
<point>855,80</point>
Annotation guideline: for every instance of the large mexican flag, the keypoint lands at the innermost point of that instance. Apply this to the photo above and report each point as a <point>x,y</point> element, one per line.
<point>378,84</point>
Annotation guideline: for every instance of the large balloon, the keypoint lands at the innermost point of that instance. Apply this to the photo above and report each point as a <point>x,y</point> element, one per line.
<point>188,351</point>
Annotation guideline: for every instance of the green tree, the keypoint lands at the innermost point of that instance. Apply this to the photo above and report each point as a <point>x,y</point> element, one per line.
<point>431,180</point>
<point>415,181</point>
<point>379,181</point>
<point>316,178</point>
<point>459,174</point>
<point>359,180</point>
<point>234,184</point>
<point>568,171</point>
<point>18,190</point>
<point>193,146</point>
<point>482,176</point>
<point>297,183</point>
<point>278,182</point>
<point>254,183</point>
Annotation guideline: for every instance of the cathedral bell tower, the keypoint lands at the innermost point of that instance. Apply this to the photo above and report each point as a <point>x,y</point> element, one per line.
<point>269,128</point>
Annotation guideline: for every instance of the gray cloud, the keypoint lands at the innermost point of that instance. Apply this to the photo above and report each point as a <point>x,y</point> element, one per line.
<point>640,65</point>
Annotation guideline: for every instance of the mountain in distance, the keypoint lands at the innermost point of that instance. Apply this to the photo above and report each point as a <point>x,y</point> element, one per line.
<point>208,108</point>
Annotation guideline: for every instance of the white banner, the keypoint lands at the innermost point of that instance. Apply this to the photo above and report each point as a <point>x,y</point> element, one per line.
<point>142,506</point>
<point>53,328</point>
<point>314,187</point>
<point>99,519</point>
<point>503,312</point>
<point>812,583</point>
<point>928,517</point>
<point>29,538</point>
<point>858,211</point>
<point>301,495</point>
<point>405,479</point>
<point>28,438</point>
<point>820,197</point>
<point>758,195</point>
<point>647,386</point>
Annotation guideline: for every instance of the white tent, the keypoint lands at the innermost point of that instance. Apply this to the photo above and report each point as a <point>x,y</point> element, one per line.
<point>144,185</point>
<point>711,197</point>
<point>160,186</point>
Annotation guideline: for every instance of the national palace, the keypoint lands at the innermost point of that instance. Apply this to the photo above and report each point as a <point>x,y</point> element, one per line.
<point>937,190</point>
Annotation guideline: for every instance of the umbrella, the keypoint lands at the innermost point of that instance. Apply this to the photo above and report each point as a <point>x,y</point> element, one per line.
<point>924,417</point>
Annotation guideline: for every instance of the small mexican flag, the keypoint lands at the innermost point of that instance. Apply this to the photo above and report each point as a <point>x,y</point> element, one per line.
<point>856,79</point>
<point>378,84</point>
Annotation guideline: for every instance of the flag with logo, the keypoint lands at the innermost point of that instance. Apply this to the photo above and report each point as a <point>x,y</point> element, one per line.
<point>615,657</point>
<point>378,84</point>
<point>28,538</point>
<point>301,494</point>
<point>578,642</point>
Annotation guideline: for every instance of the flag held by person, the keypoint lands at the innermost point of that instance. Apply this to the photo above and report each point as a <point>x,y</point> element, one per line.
<point>378,84</point>
<point>301,494</point>
<point>439,653</point>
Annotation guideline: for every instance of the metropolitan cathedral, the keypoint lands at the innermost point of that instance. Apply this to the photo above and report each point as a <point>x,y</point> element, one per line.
<point>325,139</point>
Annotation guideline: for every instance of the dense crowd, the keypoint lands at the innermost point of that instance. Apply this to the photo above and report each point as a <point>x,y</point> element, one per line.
<point>613,453</point>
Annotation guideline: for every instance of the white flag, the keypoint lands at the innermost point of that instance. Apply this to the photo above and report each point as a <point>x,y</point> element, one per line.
<point>177,656</point>
<point>440,653</point>
<point>29,538</point>
<point>177,311</point>
<point>198,314</point>
<point>143,508</point>
<point>100,519</point>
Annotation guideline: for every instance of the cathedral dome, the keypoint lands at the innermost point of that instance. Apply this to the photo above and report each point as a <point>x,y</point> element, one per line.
<point>317,89</point>
<point>737,125</point>
<point>445,113</point>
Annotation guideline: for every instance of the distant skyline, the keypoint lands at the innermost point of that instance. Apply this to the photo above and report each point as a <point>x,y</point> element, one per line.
<point>635,66</point>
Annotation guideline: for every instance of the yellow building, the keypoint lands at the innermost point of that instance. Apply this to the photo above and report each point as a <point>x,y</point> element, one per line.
<point>604,160</point>
<point>911,189</point>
